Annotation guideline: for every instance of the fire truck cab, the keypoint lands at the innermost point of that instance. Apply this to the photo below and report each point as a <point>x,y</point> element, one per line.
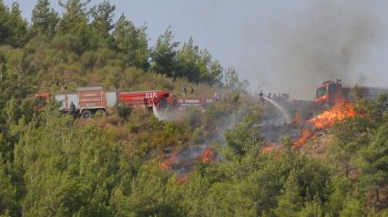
<point>329,92</point>
<point>332,92</point>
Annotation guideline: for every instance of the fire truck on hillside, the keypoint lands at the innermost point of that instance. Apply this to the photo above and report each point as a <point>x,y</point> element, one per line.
<point>93,100</point>
<point>332,92</point>
<point>147,99</point>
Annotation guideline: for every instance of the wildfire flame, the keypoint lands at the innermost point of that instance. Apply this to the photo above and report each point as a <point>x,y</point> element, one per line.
<point>269,147</point>
<point>182,180</point>
<point>328,118</point>
<point>325,120</point>
<point>208,156</point>
<point>166,164</point>
<point>303,138</point>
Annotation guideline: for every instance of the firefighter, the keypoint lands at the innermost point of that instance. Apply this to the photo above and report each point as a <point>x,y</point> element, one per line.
<point>184,90</point>
<point>261,94</point>
<point>72,109</point>
<point>174,101</point>
<point>145,101</point>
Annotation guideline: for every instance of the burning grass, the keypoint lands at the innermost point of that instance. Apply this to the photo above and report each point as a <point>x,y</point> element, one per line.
<point>303,138</point>
<point>208,156</point>
<point>324,121</point>
<point>182,161</point>
<point>327,119</point>
<point>166,164</point>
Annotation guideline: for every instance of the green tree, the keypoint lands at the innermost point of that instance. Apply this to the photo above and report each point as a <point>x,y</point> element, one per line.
<point>340,187</point>
<point>312,208</point>
<point>244,137</point>
<point>44,19</point>
<point>133,42</point>
<point>290,202</point>
<point>374,163</point>
<point>13,27</point>
<point>232,80</point>
<point>377,109</point>
<point>215,73</point>
<point>164,54</point>
<point>349,137</point>
<point>149,195</point>
<point>187,62</point>
<point>74,21</point>
<point>68,171</point>
<point>352,207</point>
<point>102,24</point>
<point>9,193</point>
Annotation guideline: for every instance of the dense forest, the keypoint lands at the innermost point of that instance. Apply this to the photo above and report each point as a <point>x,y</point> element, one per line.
<point>54,165</point>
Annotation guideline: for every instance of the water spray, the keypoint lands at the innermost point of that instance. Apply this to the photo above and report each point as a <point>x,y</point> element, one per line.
<point>285,113</point>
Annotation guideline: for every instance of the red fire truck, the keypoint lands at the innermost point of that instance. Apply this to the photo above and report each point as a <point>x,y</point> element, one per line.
<point>332,92</point>
<point>147,99</point>
<point>89,101</point>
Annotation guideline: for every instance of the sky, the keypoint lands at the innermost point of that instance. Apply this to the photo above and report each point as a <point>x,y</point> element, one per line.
<point>278,46</point>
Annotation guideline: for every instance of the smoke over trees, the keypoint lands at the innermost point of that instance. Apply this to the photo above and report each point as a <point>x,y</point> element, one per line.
<point>326,40</point>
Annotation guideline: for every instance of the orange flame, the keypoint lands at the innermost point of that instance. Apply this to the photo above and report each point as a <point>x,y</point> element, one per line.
<point>182,180</point>
<point>208,156</point>
<point>166,164</point>
<point>325,120</point>
<point>303,138</point>
<point>269,147</point>
<point>328,118</point>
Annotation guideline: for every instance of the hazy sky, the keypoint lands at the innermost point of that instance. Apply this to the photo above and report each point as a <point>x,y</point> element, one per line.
<point>292,46</point>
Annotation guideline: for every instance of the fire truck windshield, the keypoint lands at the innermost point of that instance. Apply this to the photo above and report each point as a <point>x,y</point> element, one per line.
<point>321,91</point>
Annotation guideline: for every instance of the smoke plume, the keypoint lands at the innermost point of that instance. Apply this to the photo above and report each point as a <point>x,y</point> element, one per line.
<point>328,40</point>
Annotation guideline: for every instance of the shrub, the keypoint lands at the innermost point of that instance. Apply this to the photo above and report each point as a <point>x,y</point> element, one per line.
<point>123,110</point>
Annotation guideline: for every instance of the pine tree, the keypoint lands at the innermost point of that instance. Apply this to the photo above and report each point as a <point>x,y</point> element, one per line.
<point>374,165</point>
<point>74,21</point>
<point>44,19</point>
<point>187,59</point>
<point>352,207</point>
<point>13,28</point>
<point>102,24</point>
<point>164,54</point>
<point>290,202</point>
<point>133,42</point>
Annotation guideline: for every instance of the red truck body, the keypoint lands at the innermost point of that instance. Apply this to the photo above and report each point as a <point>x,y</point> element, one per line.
<point>147,99</point>
<point>332,92</point>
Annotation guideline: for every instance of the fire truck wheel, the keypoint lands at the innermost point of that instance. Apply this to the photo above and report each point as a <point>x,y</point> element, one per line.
<point>101,113</point>
<point>86,114</point>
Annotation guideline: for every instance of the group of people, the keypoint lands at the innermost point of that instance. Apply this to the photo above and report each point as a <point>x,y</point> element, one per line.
<point>184,91</point>
<point>279,96</point>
